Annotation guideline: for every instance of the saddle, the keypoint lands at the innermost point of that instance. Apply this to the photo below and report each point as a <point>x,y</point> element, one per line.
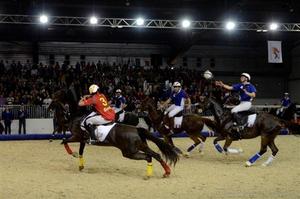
<point>173,122</point>
<point>242,117</point>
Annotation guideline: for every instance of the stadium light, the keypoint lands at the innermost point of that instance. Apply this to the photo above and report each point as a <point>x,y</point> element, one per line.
<point>44,19</point>
<point>140,21</point>
<point>273,26</point>
<point>230,25</point>
<point>186,23</point>
<point>93,20</point>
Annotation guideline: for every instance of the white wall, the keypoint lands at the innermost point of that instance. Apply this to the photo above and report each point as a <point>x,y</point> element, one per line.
<point>36,126</point>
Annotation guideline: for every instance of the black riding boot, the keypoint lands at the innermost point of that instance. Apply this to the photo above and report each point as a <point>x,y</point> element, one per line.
<point>237,122</point>
<point>91,130</point>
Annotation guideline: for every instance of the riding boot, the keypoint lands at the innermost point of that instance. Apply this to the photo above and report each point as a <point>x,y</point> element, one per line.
<point>237,122</point>
<point>91,130</point>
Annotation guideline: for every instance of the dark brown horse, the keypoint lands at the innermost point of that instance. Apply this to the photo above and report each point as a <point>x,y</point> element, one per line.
<point>192,124</point>
<point>266,125</point>
<point>130,140</point>
<point>60,117</point>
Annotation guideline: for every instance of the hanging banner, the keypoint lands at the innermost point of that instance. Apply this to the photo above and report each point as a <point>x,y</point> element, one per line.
<point>274,52</point>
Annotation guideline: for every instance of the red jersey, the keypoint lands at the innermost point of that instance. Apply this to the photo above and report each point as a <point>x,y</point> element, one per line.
<point>100,103</point>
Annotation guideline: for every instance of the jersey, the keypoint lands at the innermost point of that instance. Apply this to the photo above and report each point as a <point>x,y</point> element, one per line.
<point>101,105</point>
<point>285,102</point>
<point>178,98</point>
<point>240,88</point>
<point>118,101</point>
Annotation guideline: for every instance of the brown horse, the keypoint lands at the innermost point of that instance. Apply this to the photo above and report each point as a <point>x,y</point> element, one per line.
<point>266,125</point>
<point>192,124</point>
<point>130,140</point>
<point>60,117</point>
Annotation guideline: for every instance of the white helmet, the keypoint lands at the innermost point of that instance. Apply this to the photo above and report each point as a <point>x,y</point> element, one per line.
<point>118,91</point>
<point>207,74</point>
<point>286,93</point>
<point>93,88</point>
<point>176,84</point>
<point>246,75</point>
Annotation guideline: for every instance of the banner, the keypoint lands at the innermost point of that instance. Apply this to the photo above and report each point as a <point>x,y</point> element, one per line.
<point>274,52</point>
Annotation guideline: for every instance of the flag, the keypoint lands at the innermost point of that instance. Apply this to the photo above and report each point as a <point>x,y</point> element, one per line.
<point>274,52</point>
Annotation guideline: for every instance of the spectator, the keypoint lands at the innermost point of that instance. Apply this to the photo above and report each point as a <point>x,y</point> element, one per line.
<point>22,115</point>
<point>7,117</point>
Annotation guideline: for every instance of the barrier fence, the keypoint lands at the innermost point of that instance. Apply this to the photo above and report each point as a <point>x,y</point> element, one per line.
<point>36,111</point>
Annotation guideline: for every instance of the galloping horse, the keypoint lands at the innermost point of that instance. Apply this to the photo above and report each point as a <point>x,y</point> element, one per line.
<point>192,124</point>
<point>265,125</point>
<point>129,139</point>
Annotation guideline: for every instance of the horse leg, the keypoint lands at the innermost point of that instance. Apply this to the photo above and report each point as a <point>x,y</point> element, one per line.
<point>263,148</point>
<point>201,144</point>
<point>217,145</point>
<point>81,160</point>
<point>196,142</point>
<point>65,142</point>
<point>274,149</point>
<point>157,157</point>
<point>137,155</point>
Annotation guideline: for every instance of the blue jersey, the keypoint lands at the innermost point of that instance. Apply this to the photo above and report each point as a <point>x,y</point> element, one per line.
<point>240,88</point>
<point>177,98</point>
<point>119,100</point>
<point>285,102</point>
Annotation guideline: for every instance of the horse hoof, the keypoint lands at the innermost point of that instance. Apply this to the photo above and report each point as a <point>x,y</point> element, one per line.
<point>248,164</point>
<point>146,177</point>
<point>75,154</point>
<point>166,175</point>
<point>240,150</point>
<point>186,155</point>
<point>81,168</point>
<point>50,140</point>
<point>264,165</point>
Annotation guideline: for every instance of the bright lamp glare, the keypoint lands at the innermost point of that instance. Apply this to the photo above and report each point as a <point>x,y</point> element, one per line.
<point>273,26</point>
<point>93,20</point>
<point>186,23</point>
<point>230,25</point>
<point>43,19</point>
<point>140,21</point>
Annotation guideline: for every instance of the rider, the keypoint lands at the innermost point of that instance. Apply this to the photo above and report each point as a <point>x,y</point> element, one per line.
<point>120,104</point>
<point>178,97</point>
<point>102,114</point>
<point>247,92</point>
<point>285,102</point>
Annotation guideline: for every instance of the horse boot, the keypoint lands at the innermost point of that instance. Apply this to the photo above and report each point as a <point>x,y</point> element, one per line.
<point>171,124</point>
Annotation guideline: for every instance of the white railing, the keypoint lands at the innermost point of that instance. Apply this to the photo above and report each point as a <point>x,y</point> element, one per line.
<point>33,111</point>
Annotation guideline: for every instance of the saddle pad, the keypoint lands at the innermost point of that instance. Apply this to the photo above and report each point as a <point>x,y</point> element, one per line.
<point>177,122</point>
<point>251,119</point>
<point>102,131</point>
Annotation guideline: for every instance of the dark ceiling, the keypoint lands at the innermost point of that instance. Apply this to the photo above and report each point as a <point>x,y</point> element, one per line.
<point>241,10</point>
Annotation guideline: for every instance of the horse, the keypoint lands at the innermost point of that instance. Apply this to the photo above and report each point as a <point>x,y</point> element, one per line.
<point>265,125</point>
<point>60,117</point>
<point>192,124</point>
<point>130,140</point>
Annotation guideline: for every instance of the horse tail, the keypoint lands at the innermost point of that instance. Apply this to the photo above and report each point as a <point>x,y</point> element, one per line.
<point>167,150</point>
<point>293,127</point>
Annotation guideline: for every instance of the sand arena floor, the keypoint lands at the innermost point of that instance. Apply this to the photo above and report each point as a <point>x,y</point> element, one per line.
<point>39,169</point>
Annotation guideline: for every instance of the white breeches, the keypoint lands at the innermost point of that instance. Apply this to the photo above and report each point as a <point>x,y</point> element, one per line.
<point>121,116</point>
<point>173,110</point>
<point>94,119</point>
<point>243,106</point>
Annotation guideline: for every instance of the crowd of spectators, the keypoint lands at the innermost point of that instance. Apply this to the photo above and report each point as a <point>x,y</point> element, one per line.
<point>33,84</point>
